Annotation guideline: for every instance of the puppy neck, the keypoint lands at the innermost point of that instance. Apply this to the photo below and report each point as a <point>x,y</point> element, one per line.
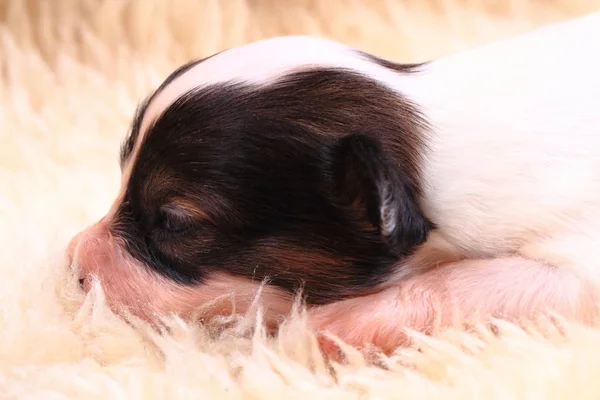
<point>510,135</point>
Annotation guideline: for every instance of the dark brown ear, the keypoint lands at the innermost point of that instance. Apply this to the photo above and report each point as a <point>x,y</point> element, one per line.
<point>369,186</point>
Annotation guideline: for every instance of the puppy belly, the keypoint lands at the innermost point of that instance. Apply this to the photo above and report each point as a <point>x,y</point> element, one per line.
<point>515,289</point>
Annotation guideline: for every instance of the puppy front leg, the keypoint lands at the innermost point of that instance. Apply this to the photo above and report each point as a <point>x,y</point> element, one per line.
<point>515,289</point>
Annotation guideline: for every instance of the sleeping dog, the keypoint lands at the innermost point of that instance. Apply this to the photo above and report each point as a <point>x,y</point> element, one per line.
<point>391,195</point>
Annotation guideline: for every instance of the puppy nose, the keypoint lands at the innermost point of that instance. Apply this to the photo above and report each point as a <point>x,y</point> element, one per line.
<point>70,253</point>
<point>70,250</point>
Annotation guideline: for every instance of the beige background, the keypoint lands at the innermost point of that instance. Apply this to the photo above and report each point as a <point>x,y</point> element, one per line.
<point>71,73</point>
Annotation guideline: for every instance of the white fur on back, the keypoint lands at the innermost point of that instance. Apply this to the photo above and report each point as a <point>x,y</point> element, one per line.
<point>515,145</point>
<point>264,61</point>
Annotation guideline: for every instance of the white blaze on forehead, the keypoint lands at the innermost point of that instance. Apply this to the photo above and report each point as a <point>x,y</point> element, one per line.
<point>262,62</point>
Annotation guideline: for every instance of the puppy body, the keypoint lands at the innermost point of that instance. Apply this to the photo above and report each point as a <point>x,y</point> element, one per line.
<point>389,174</point>
<point>513,151</point>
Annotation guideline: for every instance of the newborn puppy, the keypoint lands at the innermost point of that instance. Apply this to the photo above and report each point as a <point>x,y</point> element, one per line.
<point>386,192</point>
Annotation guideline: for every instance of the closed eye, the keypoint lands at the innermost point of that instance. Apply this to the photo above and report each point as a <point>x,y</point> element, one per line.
<point>174,220</point>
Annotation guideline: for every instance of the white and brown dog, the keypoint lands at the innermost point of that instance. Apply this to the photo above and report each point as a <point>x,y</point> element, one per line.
<point>388,193</point>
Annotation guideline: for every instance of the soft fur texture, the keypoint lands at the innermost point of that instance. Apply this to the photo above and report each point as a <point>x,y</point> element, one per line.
<point>72,72</point>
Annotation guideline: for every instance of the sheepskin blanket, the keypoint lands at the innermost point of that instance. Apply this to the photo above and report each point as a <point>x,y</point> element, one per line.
<point>71,72</point>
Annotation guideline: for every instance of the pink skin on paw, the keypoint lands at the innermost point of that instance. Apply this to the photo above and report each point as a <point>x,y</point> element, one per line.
<point>514,289</point>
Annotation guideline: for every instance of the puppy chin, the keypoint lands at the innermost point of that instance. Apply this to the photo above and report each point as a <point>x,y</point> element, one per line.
<point>132,286</point>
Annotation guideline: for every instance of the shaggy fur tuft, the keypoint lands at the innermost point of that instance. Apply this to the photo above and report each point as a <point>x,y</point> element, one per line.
<point>71,73</point>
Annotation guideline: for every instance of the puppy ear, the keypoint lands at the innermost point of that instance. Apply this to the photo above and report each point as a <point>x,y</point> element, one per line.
<point>369,187</point>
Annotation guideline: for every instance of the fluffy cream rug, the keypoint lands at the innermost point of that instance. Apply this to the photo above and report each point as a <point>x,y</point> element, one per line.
<point>71,72</point>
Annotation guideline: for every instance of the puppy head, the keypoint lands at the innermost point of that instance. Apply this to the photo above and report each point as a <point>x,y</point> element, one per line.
<point>301,172</point>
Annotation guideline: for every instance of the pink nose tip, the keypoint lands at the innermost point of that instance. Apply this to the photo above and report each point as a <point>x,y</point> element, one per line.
<point>70,253</point>
<point>72,246</point>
